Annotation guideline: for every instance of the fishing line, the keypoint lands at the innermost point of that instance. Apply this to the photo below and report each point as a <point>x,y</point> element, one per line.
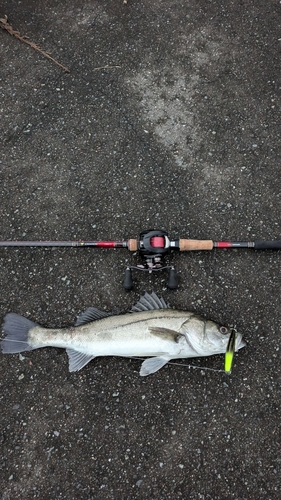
<point>185,365</point>
<point>198,367</point>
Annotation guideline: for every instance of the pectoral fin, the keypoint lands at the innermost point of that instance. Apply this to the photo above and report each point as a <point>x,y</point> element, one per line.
<point>165,333</point>
<point>77,360</point>
<point>152,365</point>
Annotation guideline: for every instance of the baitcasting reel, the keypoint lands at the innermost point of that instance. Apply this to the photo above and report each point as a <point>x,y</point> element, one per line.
<point>152,246</point>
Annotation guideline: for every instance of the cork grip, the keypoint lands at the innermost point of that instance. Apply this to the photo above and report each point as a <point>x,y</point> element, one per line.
<point>196,245</point>
<point>132,245</point>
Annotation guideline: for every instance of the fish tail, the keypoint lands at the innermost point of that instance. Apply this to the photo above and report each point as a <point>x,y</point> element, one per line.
<point>16,328</point>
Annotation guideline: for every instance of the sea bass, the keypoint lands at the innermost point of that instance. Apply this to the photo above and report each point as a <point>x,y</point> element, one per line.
<point>151,330</point>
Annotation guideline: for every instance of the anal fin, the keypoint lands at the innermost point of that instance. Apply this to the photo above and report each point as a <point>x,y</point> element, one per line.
<point>77,360</point>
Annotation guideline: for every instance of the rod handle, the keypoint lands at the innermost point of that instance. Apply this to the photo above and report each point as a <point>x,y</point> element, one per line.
<point>267,245</point>
<point>185,245</point>
<point>132,245</point>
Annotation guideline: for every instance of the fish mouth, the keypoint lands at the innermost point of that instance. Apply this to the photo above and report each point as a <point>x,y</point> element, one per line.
<point>241,343</point>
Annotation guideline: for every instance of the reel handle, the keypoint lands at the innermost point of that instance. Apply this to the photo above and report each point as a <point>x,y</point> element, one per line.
<point>173,279</point>
<point>128,279</point>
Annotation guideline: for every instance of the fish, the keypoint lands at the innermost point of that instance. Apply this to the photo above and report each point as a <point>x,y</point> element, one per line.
<point>150,330</point>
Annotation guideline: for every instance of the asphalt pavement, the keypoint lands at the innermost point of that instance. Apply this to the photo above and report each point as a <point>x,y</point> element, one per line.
<point>165,115</point>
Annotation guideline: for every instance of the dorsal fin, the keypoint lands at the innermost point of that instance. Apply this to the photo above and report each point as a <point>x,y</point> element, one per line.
<point>91,314</point>
<point>149,302</point>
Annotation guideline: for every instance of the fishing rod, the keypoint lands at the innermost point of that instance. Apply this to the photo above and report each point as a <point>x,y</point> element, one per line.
<point>152,246</point>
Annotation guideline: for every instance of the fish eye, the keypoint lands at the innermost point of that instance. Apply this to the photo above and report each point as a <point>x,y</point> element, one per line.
<point>224,330</point>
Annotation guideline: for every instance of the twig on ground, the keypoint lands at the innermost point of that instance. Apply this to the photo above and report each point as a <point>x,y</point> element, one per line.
<point>6,26</point>
<point>106,67</point>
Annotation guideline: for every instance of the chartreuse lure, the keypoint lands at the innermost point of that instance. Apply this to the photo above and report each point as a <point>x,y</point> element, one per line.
<point>230,349</point>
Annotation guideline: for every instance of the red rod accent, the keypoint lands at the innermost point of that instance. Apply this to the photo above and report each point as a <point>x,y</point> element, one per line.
<point>157,242</point>
<point>224,244</point>
<point>106,244</point>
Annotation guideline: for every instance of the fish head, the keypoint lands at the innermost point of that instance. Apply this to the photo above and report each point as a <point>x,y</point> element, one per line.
<point>219,336</point>
<point>208,337</point>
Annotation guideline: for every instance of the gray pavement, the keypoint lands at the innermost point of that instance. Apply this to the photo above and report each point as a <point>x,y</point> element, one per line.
<point>168,118</point>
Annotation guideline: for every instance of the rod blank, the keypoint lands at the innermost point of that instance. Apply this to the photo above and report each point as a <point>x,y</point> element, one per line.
<point>133,244</point>
<point>56,243</point>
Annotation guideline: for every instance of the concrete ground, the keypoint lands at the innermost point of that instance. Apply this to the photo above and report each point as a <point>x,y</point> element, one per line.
<point>168,118</point>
